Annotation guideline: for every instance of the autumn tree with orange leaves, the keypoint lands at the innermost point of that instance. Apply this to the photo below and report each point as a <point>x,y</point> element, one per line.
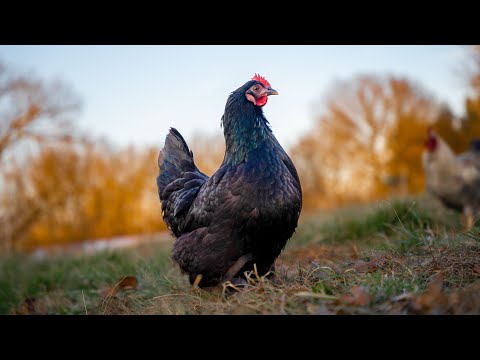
<point>470,124</point>
<point>367,143</point>
<point>58,185</point>
<point>208,151</point>
<point>32,113</point>
<point>88,192</point>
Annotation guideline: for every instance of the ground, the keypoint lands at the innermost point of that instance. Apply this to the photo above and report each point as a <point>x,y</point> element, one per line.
<point>409,256</point>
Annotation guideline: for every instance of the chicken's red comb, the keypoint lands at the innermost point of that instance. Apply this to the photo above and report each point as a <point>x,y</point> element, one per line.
<point>261,79</point>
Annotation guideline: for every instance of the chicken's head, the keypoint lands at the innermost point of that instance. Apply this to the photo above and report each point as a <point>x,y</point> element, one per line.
<point>258,90</point>
<point>432,141</point>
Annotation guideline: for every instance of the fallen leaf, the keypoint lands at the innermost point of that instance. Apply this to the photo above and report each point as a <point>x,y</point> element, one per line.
<point>433,300</point>
<point>364,267</point>
<point>108,292</point>
<point>30,306</point>
<point>126,283</point>
<point>361,267</point>
<point>454,299</point>
<point>27,307</point>
<point>476,269</point>
<point>465,301</point>
<point>444,248</point>
<point>358,297</point>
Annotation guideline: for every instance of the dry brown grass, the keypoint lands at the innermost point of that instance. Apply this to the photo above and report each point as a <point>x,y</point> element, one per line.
<point>418,265</point>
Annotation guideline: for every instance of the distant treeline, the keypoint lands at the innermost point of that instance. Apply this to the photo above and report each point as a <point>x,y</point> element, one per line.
<point>59,185</point>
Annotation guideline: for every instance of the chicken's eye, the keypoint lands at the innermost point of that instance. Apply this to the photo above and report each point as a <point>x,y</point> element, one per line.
<point>256,88</point>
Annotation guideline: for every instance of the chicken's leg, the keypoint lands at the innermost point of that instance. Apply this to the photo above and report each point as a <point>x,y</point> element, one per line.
<point>468,212</point>
<point>235,268</point>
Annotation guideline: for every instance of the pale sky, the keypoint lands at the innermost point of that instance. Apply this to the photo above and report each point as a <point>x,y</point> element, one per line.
<point>133,94</point>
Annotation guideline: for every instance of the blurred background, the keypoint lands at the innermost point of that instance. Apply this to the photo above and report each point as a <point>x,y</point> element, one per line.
<point>81,126</point>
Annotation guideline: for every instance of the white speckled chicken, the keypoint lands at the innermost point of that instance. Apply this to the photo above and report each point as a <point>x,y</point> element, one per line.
<point>454,179</point>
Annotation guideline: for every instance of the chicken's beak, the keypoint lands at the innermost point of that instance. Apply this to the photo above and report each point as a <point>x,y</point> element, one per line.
<point>271,91</point>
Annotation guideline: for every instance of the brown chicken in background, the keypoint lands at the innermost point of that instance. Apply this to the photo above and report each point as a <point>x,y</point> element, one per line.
<point>454,179</point>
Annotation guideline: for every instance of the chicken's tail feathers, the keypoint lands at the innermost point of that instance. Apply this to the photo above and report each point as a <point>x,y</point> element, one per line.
<point>179,179</point>
<point>175,157</point>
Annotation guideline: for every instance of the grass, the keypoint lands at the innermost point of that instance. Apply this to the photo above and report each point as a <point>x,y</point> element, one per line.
<point>61,284</point>
<point>370,223</point>
<point>407,256</point>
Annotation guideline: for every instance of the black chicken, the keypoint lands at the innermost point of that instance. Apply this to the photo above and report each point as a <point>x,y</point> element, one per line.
<point>244,213</point>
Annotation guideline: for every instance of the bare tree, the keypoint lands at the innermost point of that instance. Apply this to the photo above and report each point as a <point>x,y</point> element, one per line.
<point>32,111</point>
<point>471,67</point>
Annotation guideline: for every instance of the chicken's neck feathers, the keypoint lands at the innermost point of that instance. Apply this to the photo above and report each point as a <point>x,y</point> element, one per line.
<point>245,129</point>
